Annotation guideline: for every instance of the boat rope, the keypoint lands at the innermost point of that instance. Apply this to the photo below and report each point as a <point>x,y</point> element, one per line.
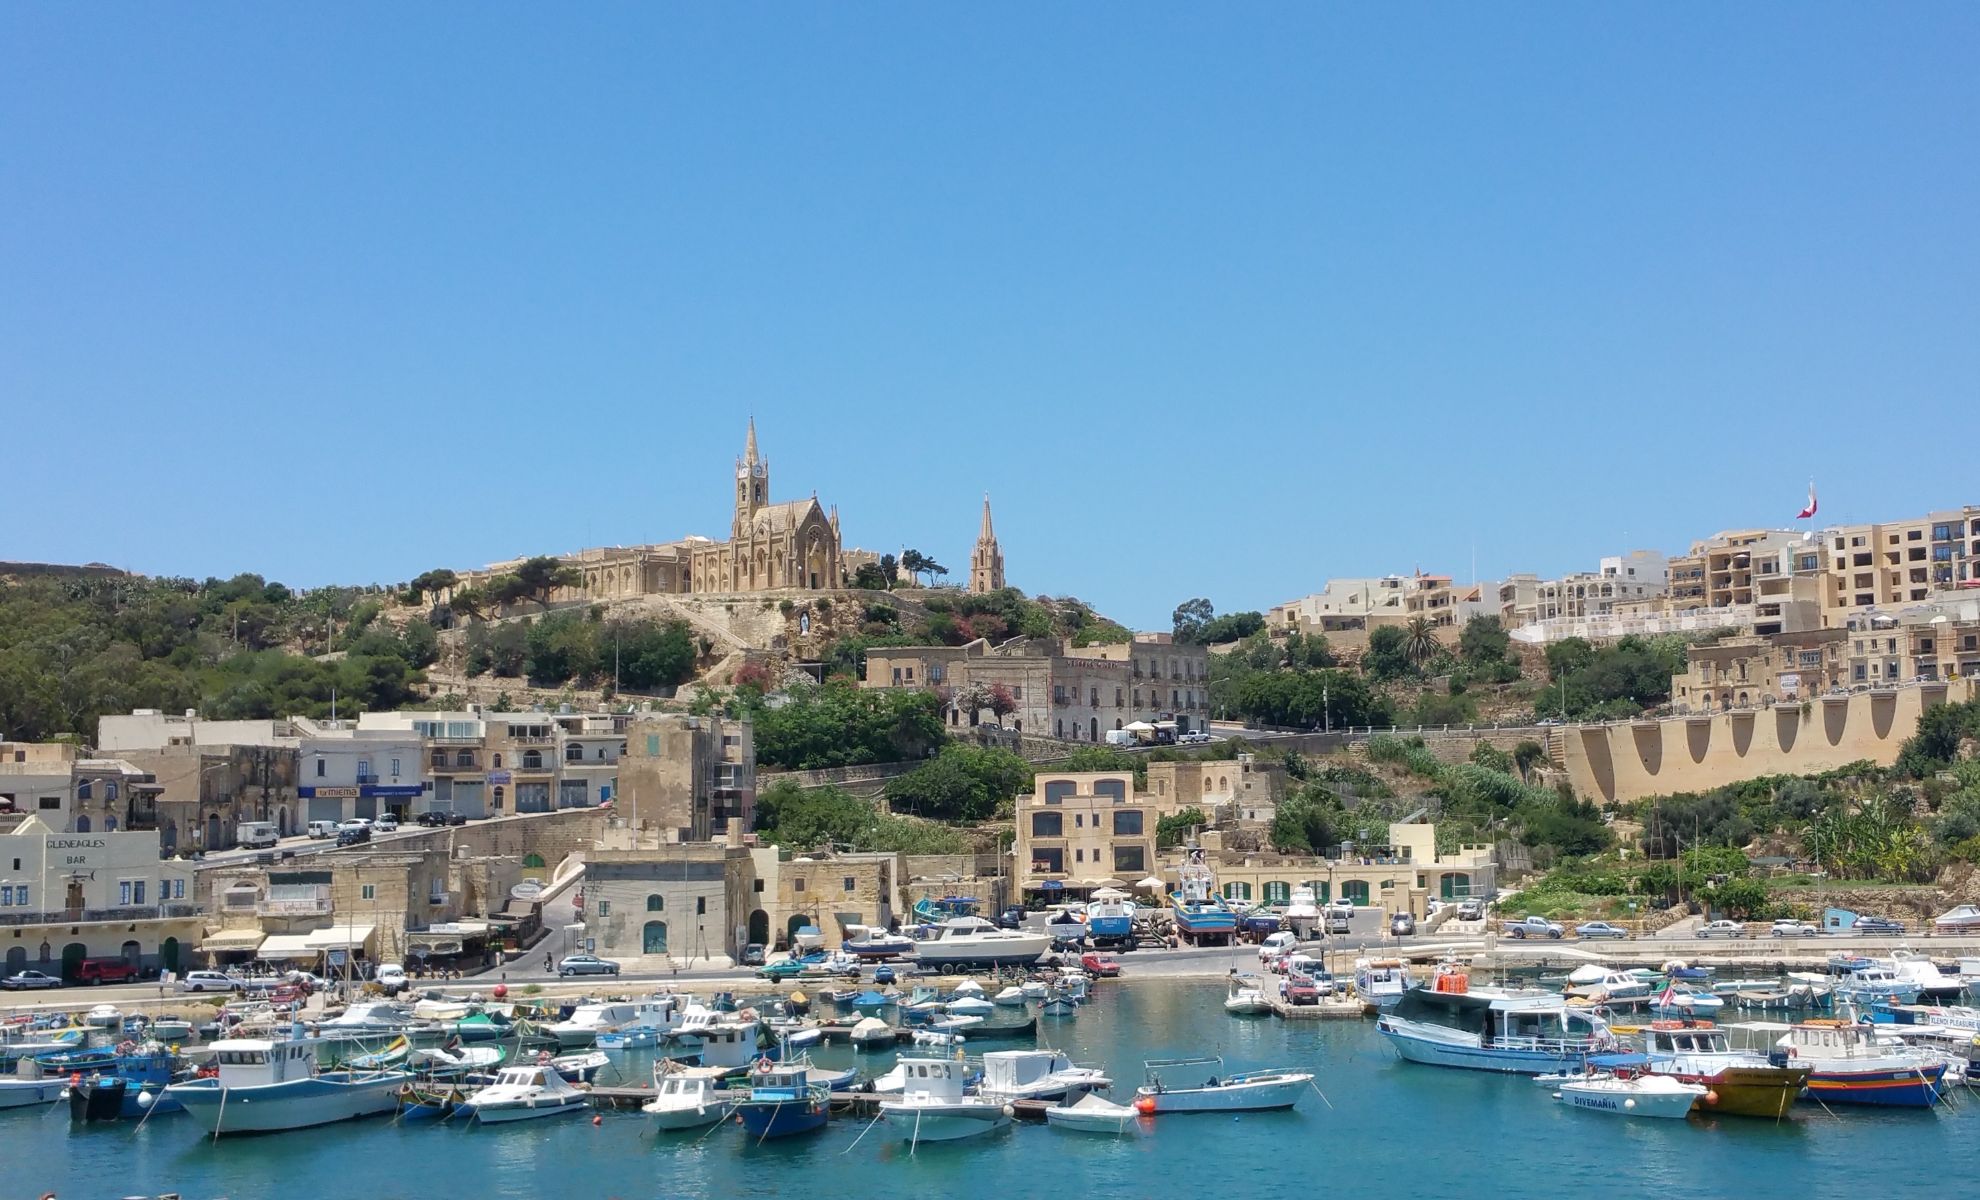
<point>1321,1094</point>
<point>221,1116</point>
<point>878,1116</point>
<point>771,1123</point>
<point>915,1139</point>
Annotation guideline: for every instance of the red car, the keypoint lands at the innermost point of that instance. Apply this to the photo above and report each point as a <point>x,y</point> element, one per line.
<point>1100,966</point>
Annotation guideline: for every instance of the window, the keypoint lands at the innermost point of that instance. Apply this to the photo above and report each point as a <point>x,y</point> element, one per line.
<point>851,883</point>
<point>1048,824</point>
<point>797,885</point>
<point>464,759</point>
<point>178,889</point>
<point>395,768</point>
<point>369,891</point>
<point>652,747</point>
<point>83,790</point>
<point>756,885</point>
<point>656,903</point>
<point>364,768</point>
<point>21,901</point>
<point>1130,860</point>
<point>701,905</point>
<point>1127,824</point>
<point>1079,856</point>
<point>1079,820</point>
<point>319,766</point>
<point>124,892</point>
<point>604,908</point>
<point>1050,861</point>
<point>137,891</point>
<point>6,896</point>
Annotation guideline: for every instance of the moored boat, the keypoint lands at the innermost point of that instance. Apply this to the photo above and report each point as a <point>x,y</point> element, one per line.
<point>1736,1083</point>
<point>1493,1029</point>
<point>1092,1114</point>
<point>1246,1091</point>
<point>1630,1095</point>
<point>267,1086</point>
<point>1011,1075</point>
<point>1200,916</point>
<point>1851,1067</point>
<point>524,1093</point>
<point>782,1102</point>
<point>1381,981</point>
<point>686,1097</point>
<point>1244,997</point>
<point>932,1106</point>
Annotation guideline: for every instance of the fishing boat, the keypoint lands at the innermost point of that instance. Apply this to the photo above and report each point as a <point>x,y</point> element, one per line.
<point>1012,1075</point>
<point>618,1041</point>
<point>368,1016</point>
<point>932,1106</point>
<point>1685,1002</point>
<point>1036,989</point>
<point>686,1097</point>
<point>1245,997</point>
<point>730,1046</point>
<point>424,1100</point>
<point>782,1102</point>
<point>1201,917</point>
<point>1851,1067</point>
<point>1011,997</point>
<point>132,1085</point>
<point>394,1053</point>
<point>31,1084</point>
<point>1526,1032</point>
<point>1865,982</point>
<point>1246,1091</point>
<point>437,1061</point>
<point>968,943</point>
<point>1737,1083</point>
<point>1092,1114</point>
<point>582,1067</point>
<point>1059,1006</point>
<point>1110,917</point>
<point>104,1016</point>
<point>524,1093</point>
<point>970,1006</point>
<point>1602,985</point>
<point>1622,1092</point>
<point>170,1029</point>
<point>1381,981</point>
<point>265,1086</point>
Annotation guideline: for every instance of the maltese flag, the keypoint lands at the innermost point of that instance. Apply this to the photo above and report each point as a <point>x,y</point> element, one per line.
<point>1808,512</point>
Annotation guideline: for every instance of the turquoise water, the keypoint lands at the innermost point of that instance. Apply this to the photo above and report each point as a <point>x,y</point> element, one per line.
<point>1391,1128</point>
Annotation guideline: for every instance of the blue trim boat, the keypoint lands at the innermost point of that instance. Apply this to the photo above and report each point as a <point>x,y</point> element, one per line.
<point>1493,1029</point>
<point>1200,915</point>
<point>783,1102</point>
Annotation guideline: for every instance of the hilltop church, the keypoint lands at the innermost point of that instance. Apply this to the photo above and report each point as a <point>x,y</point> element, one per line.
<point>792,545</point>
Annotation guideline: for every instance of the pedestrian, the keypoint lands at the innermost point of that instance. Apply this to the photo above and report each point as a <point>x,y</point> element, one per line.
<point>546,962</point>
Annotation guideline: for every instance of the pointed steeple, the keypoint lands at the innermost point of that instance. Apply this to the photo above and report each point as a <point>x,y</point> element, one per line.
<point>749,446</point>
<point>986,562</point>
<point>988,534</point>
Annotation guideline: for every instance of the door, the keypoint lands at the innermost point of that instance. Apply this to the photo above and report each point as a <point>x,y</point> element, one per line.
<point>74,901</point>
<point>168,954</point>
<point>759,927</point>
<point>653,938</point>
<point>72,956</point>
<point>213,839</point>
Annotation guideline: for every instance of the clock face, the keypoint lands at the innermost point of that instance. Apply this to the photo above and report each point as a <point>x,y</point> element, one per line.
<point>757,470</point>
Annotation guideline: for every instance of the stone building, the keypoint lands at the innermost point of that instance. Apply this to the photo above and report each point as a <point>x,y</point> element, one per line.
<point>1057,690</point>
<point>1079,831</point>
<point>1242,789</point>
<point>683,901</point>
<point>1755,672</point>
<point>986,561</point>
<point>791,545</point>
<point>688,778</point>
<point>65,897</point>
<point>1401,875</point>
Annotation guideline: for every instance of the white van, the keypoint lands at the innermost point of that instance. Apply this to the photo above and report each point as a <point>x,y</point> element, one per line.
<point>256,835</point>
<point>1121,738</point>
<point>323,829</point>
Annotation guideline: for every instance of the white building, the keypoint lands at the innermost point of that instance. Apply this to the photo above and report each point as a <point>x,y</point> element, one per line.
<point>66,897</point>
<point>350,772</point>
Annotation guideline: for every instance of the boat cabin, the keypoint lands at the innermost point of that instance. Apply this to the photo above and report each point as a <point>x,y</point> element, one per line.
<point>1686,1037</point>
<point>1829,1039</point>
<point>727,1044</point>
<point>932,1078</point>
<point>1014,1070</point>
<point>252,1062</point>
<point>780,1081</point>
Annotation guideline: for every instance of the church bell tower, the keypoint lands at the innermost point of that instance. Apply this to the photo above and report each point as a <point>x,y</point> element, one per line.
<point>752,483</point>
<point>986,562</point>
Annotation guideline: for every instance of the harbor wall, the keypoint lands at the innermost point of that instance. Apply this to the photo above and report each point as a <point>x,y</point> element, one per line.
<point>1631,760</point>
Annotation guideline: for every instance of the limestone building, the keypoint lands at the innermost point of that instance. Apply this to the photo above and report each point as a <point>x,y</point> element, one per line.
<point>772,546</point>
<point>986,562</point>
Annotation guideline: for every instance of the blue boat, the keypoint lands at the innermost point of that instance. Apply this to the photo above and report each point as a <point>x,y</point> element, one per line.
<point>1493,1029</point>
<point>132,1084</point>
<point>1110,922</point>
<point>1201,917</point>
<point>1852,1067</point>
<point>783,1102</point>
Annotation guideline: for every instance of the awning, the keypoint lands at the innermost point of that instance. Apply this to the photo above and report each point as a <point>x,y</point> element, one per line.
<point>446,939</point>
<point>341,937</point>
<point>287,947</point>
<point>232,939</point>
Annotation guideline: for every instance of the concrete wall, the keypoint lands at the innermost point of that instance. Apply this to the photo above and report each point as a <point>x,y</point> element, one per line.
<point>1632,760</point>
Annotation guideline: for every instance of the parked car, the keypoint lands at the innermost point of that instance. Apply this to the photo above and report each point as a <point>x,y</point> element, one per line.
<point>432,818</point>
<point>1301,990</point>
<point>105,970</point>
<point>783,968</point>
<point>323,829</point>
<point>29,981</point>
<point>586,964</point>
<point>1195,737</point>
<point>1534,927</point>
<point>1792,928</point>
<point>1722,929</point>
<point>1402,925</point>
<point>1012,917</point>
<point>389,823</point>
<point>1276,946</point>
<point>355,823</point>
<point>207,981</point>
<point>1599,929</point>
<point>1340,904</point>
<point>1471,910</point>
<point>752,955</point>
<point>354,836</point>
<point>1876,925</point>
<point>1100,966</point>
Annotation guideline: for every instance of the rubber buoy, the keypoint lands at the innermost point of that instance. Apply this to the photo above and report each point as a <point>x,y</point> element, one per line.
<point>596,1121</point>
<point>1711,1097</point>
<point>1145,1105</point>
<point>501,990</point>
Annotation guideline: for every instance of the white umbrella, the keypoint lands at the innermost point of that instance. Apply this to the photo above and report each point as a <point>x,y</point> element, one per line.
<point>1107,893</point>
<point>1153,884</point>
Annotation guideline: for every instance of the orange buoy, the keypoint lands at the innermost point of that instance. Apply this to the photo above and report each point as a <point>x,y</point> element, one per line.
<point>1711,1098</point>
<point>596,1121</point>
<point>1145,1105</point>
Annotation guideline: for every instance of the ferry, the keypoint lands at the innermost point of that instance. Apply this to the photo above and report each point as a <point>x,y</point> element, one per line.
<point>1201,917</point>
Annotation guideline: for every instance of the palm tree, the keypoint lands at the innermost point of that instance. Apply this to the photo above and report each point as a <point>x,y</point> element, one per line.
<point>1420,643</point>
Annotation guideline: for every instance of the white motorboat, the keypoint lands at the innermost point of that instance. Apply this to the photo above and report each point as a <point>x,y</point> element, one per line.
<point>1093,1114</point>
<point>30,1084</point>
<point>1380,981</point>
<point>1933,984</point>
<point>1012,997</point>
<point>968,943</point>
<point>933,1108</point>
<point>581,1067</point>
<point>1246,1091</point>
<point>522,1093</point>
<point>1302,913</point>
<point>587,1021</point>
<point>686,1097</point>
<point>967,987</point>
<point>1676,1001</point>
<point>459,1060</point>
<point>1969,969</point>
<point>970,1006</point>
<point>368,1016</point>
<point>877,945</point>
<point>1071,984</point>
<point>730,1045</point>
<point>1962,918</point>
<point>871,1033</point>
<point>104,1016</point>
<point>1640,1096</point>
<point>1601,985</point>
<point>1037,989</point>
<point>1246,998</point>
<point>1011,1075</point>
<point>265,1086</point>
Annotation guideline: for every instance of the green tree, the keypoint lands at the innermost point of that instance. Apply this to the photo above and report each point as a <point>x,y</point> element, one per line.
<point>539,576</point>
<point>1172,829</point>
<point>1191,618</point>
<point>1484,640</point>
<point>962,783</point>
<point>1303,823</point>
<point>1420,643</point>
<point>1386,657</point>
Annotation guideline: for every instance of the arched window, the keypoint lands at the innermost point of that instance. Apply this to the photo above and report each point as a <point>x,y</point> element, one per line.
<point>498,762</point>
<point>574,753</point>
<point>532,760</point>
<point>656,903</point>
<point>464,758</point>
<point>532,862</point>
<point>82,824</point>
<point>1278,891</point>
<point>83,790</point>
<point>1237,891</point>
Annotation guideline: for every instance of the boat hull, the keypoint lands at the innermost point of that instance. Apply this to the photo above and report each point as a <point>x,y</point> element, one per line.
<point>273,1108</point>
<point>23,1093</point>
<point>1263,1097</point>
<point>1413,1044</point>
<point>504,1113</point>
<point>789,1119</point>
<point>1909,1087</point>
<point>947,1123</point>
<point>1090,1122</point>
<point>1673,1105</point>
<point>698,1117</point>
<point>1768,1092</point>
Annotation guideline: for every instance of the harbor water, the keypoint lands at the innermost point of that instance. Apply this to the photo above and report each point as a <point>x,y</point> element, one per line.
<point>1383,1127</point>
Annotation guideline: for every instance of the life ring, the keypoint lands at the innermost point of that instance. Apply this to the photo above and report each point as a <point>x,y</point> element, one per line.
<point>127,1047</point>
<point>763,1065</point>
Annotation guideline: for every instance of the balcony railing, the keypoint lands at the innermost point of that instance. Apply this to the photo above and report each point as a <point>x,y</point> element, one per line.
<point>312,906</point>
<point>364,777</point>
<point>143,912</point>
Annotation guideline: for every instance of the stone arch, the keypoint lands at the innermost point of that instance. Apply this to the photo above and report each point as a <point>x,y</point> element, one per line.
<point>168,954</point>
<point>131,952</point>
<point>653,938</point>
<point>532,861</point>
<point>759,927</point>
<point>656,903</point>
<point>82,822</point>
<point>214,837</point>
<point>72,956</point>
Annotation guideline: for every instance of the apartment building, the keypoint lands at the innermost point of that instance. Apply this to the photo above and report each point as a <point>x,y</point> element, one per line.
<point>1078,831</point>
<point>202,778</point>
<point>1754,672</point>
<point>490,763</point>
<point>1058,690</point>
<point>66,896</point>
<point>1933,641</point>
<point>1891,564</point>
<point>1401,874</point>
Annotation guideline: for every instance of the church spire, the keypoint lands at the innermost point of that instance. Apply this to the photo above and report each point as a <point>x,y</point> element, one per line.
<point>986,562</point>
<point>749,446</point>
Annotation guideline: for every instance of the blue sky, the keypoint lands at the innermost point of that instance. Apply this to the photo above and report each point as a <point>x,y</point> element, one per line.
<point>1213,300</point>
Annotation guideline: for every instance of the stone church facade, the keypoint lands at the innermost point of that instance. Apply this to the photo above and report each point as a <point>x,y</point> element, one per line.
<point>792,545</point>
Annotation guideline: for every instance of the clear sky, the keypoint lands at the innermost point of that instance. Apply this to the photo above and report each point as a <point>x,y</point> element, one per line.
<point>1215,300</point>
